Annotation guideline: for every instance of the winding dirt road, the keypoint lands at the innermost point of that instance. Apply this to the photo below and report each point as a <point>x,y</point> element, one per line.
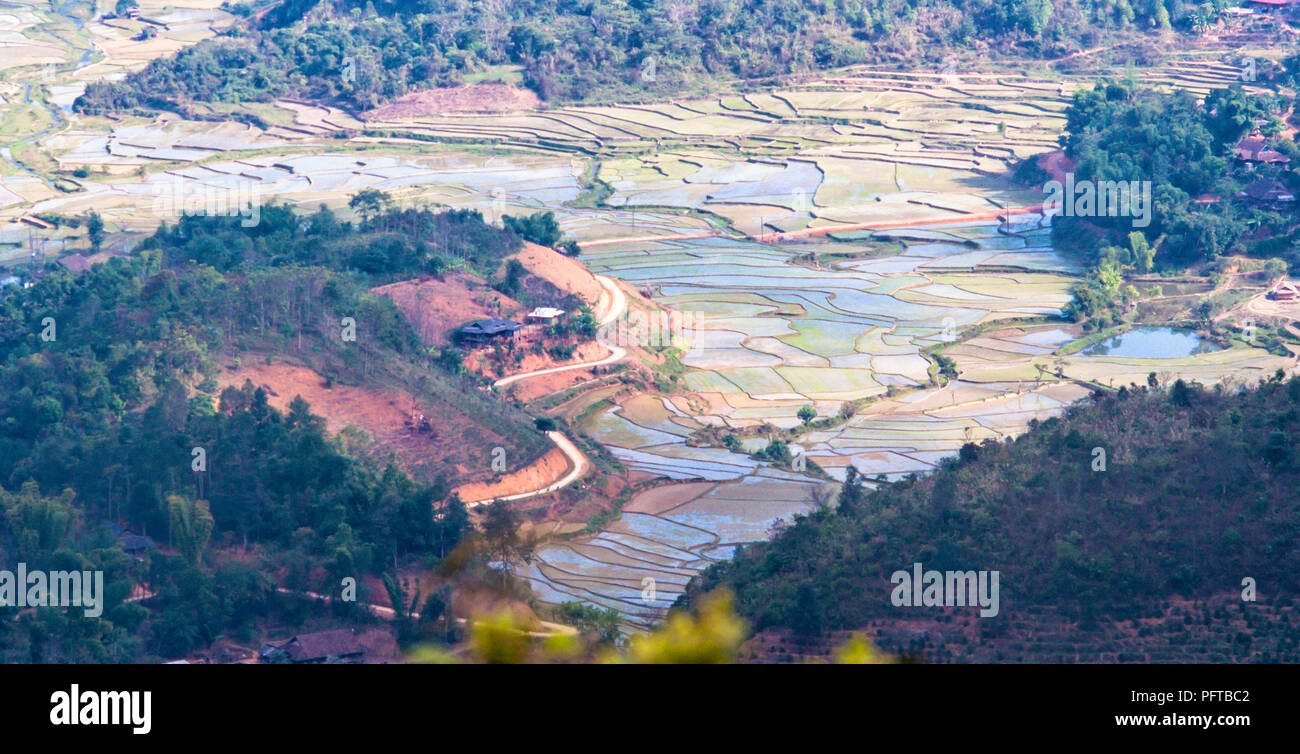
<point>576,458</point>
<point>614,302</point>
<point>615,354</point>
<point>611,306</point>
<point>617,300</point>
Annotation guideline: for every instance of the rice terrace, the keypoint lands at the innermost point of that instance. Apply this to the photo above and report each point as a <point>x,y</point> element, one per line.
<point>608,341</point>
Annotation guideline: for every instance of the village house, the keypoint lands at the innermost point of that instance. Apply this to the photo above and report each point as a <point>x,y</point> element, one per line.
<point>1267,192</point>
<point>545,314</point>
<point>1255,149</point>
<point>487,330</point>
<point>131,543</point>
<point>1285,290</point>
<point>341,645</point>
<point>75,263</point>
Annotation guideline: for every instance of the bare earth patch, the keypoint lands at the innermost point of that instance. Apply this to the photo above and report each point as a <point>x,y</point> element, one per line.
<point>565,273</point>
<point>377,412</point>
<point>436,306</point>
<point>446,447</point>
<point>480,360</point>
<point>531,389</point>
<point>473,98</point>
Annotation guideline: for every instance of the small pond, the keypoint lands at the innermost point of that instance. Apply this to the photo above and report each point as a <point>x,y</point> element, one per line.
<point>1152,343</point>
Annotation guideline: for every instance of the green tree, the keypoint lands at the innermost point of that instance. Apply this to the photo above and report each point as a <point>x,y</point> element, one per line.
<point>539,228</point>
<point>806,614</point>
<point>501,536</point>
<point>40,524</point>
<point>95,230</point>
<point>192,525</point>
<point>852,493</point>
<point>370,203</point>
<point>1143,253</point>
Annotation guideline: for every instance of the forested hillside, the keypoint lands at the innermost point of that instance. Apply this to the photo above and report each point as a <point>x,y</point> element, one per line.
<point>1196,494</point>
<point>359,53</point>
<point>111,415</point>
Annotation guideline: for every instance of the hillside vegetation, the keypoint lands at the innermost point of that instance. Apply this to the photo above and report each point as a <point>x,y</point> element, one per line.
<point>111,413</point>
<point>1184,203</point>
<point>361,53</point>
<point>1197,494</point>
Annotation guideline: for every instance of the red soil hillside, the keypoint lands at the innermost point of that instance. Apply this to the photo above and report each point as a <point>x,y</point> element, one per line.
<point>445,447</point>
<point>435,307</point>
<point>544,471</point>
<point>565,273</point>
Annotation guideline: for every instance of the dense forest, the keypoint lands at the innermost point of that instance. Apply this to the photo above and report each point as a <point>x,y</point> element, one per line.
<point>111,418</point>
<point>1196,492</point>
<point>359,53</point>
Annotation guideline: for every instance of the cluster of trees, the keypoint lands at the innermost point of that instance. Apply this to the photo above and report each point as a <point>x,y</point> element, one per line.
<point>1192,490</point>
<point>1178,152</point>
<point>110,411</point>
<point>389,243</point>
<point>539,228</point>
<point>360,53</point>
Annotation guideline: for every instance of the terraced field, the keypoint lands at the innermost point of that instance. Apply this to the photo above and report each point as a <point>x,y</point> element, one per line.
<point>641,562</point>
<point>856,147</point>
<point>771,336</point>
<point>48,52</point>
<point>684,199</point>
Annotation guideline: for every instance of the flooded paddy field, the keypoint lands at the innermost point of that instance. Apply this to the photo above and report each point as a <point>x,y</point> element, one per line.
<point>684,199</point>
<point>773,334</point>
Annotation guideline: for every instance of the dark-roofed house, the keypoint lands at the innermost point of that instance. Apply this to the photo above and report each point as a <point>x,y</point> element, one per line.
<point>135,543</point>
<point>1257,149</point>
<point>484,330</point>
<point>131,543</point>
<point>1267,192</point>
<point>323,646</point>
<point>75,263</point>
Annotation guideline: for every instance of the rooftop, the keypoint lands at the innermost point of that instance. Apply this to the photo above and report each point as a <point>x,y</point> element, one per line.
<point>75,263</point>
<point>1267,191</point>
<point>1257,149</point>
<point>322,645</point>
<point>491,326</point>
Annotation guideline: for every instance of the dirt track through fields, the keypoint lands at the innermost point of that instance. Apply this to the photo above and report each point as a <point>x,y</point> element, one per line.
<point>993,214</point>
